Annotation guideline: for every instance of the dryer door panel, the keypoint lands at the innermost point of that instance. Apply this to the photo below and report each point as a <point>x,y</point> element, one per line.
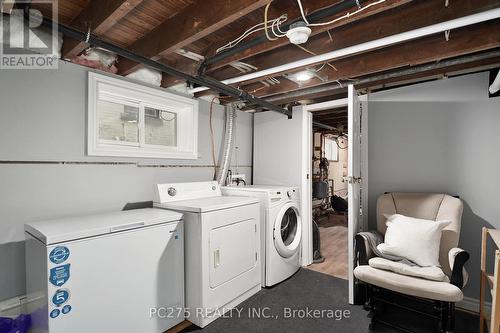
<point>233,250</point>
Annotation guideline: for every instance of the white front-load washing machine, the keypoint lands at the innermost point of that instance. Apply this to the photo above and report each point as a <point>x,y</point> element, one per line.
<point>281,229</point>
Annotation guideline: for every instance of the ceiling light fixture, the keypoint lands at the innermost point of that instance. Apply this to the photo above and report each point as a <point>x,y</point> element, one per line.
<point>298,33</point>
<point>304,75</point>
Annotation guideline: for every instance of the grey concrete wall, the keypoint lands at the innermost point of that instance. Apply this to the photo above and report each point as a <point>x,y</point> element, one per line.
<point>43,118</point>
<point>441,136</point>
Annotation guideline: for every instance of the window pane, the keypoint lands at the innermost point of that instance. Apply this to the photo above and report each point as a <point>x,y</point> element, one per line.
<point>160,127</point>
<point>118,122</point>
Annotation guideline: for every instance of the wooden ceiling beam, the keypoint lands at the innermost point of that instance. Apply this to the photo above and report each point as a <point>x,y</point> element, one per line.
<point>196,21</point>
<point>422,76</point>
<point>330,112</point>
<point>425,50</point>
<point>99,16</point>
<point>294,14</point>
<point>186,65</point>
<point>330,119</point>
<point>402,19</point>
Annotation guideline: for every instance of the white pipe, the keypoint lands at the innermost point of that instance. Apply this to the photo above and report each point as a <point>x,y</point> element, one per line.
<point>495,86</point>
<point>363,47</point>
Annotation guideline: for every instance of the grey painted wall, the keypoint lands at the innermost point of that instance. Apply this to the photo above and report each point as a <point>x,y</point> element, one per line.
<point>43,118</point>
<point>441,136</point>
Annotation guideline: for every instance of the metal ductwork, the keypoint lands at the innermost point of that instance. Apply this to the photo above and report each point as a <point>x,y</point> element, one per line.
<point>228,143</point>
<point>495,86</point>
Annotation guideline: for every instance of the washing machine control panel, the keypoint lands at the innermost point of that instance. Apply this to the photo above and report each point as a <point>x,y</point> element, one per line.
<point>284,195</point>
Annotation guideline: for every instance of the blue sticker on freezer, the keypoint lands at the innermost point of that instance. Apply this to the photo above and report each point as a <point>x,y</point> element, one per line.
<point>54,313</point>
<point>60,297</point>
<point>59,275</point>
<point>66,309</point>
<point>59,254</point>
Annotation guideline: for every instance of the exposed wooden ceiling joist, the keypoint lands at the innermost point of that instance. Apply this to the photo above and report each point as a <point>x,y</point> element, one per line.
<point>157,29</point>
<point>422,13</point>
<point>99,16</point>
<point>294,14</point>
<point>194,22</point>
<point>332,90</point>
<point>435,48</point>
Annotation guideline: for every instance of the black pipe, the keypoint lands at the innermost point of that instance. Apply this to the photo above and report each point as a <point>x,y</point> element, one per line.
<point>200,80</point>
<point>311,18</point>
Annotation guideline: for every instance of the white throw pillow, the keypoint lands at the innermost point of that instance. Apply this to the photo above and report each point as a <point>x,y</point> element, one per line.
<point>415,239</point>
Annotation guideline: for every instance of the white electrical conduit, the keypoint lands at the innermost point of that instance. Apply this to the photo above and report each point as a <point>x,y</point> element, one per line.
<point>228,144</point>
<point>367,46</point>
<point>495,86</point>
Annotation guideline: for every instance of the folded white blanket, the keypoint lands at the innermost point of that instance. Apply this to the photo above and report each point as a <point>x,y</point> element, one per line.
<point>433,273</point>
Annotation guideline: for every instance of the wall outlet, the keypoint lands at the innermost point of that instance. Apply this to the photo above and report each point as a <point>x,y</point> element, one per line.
<point>240,176</point>
<point>238,179</point>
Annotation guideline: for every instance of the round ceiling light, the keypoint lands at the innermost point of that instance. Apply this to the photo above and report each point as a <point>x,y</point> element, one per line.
<point>298,33</point>
<point>303,76</point>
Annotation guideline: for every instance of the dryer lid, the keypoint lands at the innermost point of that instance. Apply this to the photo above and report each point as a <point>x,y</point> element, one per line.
<point>203,205</point>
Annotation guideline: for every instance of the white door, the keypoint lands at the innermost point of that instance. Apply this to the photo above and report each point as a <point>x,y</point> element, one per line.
<point>354,179</point>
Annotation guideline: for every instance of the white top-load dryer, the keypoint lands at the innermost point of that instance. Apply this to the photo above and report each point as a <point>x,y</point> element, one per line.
<point>111,272</point>
<point>281,231</point>
<point>222,247</point>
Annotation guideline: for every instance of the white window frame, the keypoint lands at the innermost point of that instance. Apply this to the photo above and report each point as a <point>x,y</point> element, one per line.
<point>124,92</point>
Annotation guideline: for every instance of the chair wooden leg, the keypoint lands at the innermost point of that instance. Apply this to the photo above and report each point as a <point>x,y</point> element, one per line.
<point>371,307</point>
<point>451,318</point>
<point>442,316</point>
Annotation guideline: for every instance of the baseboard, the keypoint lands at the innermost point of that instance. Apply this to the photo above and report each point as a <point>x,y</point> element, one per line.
<point>472,305</point>
<point>14,306</point>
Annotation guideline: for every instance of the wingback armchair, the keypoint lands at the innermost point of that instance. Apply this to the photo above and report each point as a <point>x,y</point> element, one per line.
<point>442,295</point>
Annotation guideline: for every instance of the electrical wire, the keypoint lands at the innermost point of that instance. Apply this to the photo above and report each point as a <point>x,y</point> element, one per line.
<point>302,12</point>
<point>338,18</point>
<point>277,22</point>
<point>265,22</point>
<point>313,53</point>
<point>275,25</point>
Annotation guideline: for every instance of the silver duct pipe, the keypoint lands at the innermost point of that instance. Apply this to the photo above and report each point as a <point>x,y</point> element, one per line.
<point>228,144</point>
<point>495,86</point>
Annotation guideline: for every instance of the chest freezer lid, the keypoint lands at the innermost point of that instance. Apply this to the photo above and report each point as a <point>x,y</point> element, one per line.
<point>72,228</point>
<point>203,205</point>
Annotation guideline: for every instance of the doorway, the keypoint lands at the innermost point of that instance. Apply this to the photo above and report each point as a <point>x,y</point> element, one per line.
<point>330,191</point>
<point>289,148</point>
<point>357,151</point>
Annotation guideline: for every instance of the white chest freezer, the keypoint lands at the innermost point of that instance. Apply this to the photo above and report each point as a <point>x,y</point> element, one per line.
<point>117,272</point>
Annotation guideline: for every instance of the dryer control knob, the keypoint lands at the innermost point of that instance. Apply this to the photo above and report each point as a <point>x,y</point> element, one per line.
<point>289,194</point>
<point>172,191</point>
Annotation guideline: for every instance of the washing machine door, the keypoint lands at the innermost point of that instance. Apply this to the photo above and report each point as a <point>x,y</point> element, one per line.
<point>287,230</point>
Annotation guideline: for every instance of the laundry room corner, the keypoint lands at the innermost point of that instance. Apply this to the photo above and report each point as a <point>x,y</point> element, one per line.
<point>44,162</point>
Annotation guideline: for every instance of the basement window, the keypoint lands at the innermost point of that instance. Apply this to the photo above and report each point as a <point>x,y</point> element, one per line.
<point>130,120</point>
